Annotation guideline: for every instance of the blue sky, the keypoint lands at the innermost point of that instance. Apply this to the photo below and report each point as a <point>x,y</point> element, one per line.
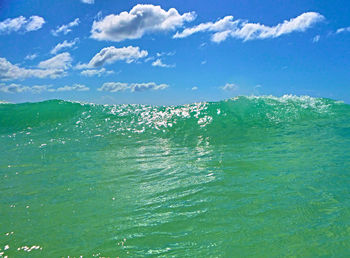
<point>172,52</point>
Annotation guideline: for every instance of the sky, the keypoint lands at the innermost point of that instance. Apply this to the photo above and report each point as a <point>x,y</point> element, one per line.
<point>173,52</point>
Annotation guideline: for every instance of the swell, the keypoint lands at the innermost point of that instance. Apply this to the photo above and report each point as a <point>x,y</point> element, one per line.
<point>248,175</point>
<point>237,113</point>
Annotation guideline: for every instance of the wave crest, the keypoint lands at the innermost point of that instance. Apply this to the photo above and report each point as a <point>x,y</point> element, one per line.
<point>252,111</point>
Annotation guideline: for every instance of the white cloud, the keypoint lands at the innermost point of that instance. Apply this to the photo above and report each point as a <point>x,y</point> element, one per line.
<point>229,87</point>
<point>21,24</point>
<point>40,88</point>
<point>75,87</point>
<point>166,54</point>
<point>114,87</point>
<point>203,45</point>
<point>88,1</point>
<point>34,23</point>
<point>133,87</point>
<point>142,19</point>
<point>159,63</point>
<point>18,88</point>
<point>203,62</point>
<point>341,30</point>
<point>147,86</point>
<point>61,61</point>
<point>10,25</point>
<point>227,27</point>
<point>194,88</point>
<point>149,59</point>
<point>14,88</point>
<point>10,71</point>
<point>225,24</point>
<point>94,72</point>
<point>64,44</point>
<point>316,39</point>
<point>66,28</point>
<point>31,57</point>
<point>111,54</point>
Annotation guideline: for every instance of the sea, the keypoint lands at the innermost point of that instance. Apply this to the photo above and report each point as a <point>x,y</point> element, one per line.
<point>257,176</point>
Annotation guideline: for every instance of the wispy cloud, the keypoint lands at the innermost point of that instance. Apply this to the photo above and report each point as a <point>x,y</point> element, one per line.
<point>21,24</point>
<point>203,45</point>
<point>19,88</point>
<point>66,28</point>
<point>194,88</point>
<point>228,27</point>
<point>149,59</point>
<point>342,30</point>
<point>166,54</point>
<point>61,61</point>
<point>316,39</point>
<point>95,72</point>
<point>111,54</point>
<point>36,89</point>
<point>142,19</point>
<point>133,87</point>
<point>88,1</point>
<point>159,63</point>
<point>31,56</point>
<point>65,44</point>
<point>74,87</point>
<point>229,87</point>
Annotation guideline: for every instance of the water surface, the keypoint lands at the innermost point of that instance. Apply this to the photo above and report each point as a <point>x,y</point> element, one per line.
<point>250,176</point>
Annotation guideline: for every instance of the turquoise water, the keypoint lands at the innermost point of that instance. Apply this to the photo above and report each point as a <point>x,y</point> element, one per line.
<point>250,176</point>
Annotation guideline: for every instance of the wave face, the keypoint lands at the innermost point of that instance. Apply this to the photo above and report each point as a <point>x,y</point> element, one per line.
<point>254,176</point>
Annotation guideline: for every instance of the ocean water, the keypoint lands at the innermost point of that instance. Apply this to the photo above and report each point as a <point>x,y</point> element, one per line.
<point>247,177</point>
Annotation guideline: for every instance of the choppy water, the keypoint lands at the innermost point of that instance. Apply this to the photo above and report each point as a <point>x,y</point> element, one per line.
<point>251,176</point>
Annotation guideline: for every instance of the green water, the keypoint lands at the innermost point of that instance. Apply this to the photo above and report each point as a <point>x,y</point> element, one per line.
<point>247,177</point>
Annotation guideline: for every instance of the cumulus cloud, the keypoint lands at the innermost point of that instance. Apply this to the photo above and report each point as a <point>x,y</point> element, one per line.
<point>88,1</point>
<point>142,19</point>
<point>75,87</point>
<point>66,28</point>
<point>95,72</point>
<point>63,45</point>
<point>133,87</point>
<point>159,63</point>
<point>34,23</point>
<point>228,27</point>
<point>230,87</point>
<point>9,71</point>
<point>109,55</point>
<point>53,68</point>
<point>341,30</point>
<point>13,88</point>
<point>61,61</point>
<point>194,88</point>
<point>21,24</point>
